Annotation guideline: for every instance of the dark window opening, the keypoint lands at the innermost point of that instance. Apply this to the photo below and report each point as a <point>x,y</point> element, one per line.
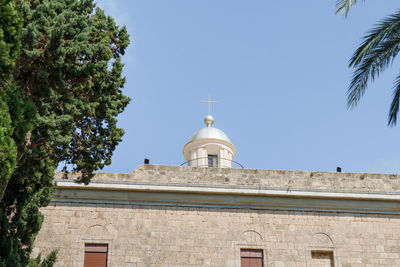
<point>213,161</point>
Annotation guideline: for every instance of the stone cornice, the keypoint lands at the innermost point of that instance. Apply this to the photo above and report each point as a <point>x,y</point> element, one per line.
<point>225,197</point>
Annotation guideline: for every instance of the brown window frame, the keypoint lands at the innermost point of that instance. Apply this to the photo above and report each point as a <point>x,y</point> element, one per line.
<point>247,253</point>
<point>96,248</point>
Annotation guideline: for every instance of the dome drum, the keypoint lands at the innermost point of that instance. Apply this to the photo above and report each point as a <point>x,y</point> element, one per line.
<point>209,147</point>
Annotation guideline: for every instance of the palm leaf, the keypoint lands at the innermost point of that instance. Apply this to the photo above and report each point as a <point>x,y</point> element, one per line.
<point>385,29</point>
<point>377,51</point>
<point>394,107</point>
<point>370,68</point>
<point>343,6</point>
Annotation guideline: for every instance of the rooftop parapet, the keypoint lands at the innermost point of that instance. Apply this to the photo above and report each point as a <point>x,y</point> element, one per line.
<point>252,179</point>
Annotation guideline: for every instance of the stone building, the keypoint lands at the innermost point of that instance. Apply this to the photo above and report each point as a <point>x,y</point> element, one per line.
<point>209,214</point>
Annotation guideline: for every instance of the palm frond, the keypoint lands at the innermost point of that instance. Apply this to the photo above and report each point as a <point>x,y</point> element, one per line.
<point>343,6</point>
<point>394,107</point>
<point>370,68</point>
<point>378,50</point>
<point>387,28</point>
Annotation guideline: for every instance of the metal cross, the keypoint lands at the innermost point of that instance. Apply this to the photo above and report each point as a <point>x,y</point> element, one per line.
<point>209,103</point>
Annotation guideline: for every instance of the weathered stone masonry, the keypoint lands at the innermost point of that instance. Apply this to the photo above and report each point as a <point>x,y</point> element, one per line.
<point>182,216</point>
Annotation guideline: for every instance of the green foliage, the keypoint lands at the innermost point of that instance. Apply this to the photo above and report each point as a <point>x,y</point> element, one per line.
<point>59,106</point>
<point>343,6</point>
<point>8,148</point>
<point>378,50</point>
<point>10,27</point>
<point>47,262</point>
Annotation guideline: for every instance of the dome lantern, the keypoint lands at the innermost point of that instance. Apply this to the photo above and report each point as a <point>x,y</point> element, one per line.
<point>209,146</point>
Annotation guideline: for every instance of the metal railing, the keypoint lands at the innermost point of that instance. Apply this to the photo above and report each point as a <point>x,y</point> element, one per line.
<point>187,163</point>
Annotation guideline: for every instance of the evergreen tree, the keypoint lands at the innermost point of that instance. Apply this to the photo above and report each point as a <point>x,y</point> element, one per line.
<point>10,25</point>
<point>60,105</point>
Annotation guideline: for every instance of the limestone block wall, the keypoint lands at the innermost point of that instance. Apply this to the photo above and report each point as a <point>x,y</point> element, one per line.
<point>170,231</point>
<point>141,235</point>
<point>254,178</point>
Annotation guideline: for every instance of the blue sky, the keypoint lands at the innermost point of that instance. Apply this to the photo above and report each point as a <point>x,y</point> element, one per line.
<point>278,70</point>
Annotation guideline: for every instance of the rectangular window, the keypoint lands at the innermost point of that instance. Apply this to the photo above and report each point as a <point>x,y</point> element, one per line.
<point>251,258</point>
<point>96,255</point>
<point>322,258</point>
<point>213,161</point>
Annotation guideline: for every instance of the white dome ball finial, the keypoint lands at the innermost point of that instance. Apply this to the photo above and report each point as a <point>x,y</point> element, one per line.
<point>209,120</point>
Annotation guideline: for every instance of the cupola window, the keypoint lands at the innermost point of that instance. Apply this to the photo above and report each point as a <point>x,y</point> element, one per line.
<point>213,161</point>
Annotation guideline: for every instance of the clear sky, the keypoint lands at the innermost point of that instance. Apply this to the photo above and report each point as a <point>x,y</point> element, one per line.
<point>278,70</point>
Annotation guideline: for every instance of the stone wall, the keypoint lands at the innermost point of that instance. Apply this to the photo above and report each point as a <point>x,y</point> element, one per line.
<point>141,232</point>
<point>253,178</point>
<point>181,236</point>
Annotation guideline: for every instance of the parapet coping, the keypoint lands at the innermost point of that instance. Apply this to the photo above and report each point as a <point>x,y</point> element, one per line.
<point>251,178</point>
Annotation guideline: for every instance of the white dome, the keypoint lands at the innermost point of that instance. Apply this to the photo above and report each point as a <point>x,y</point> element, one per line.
<point>206,142</point>
<point>209,133</point>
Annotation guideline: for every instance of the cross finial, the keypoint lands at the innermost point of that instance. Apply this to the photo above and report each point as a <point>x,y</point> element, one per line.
<point>209,104</point>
